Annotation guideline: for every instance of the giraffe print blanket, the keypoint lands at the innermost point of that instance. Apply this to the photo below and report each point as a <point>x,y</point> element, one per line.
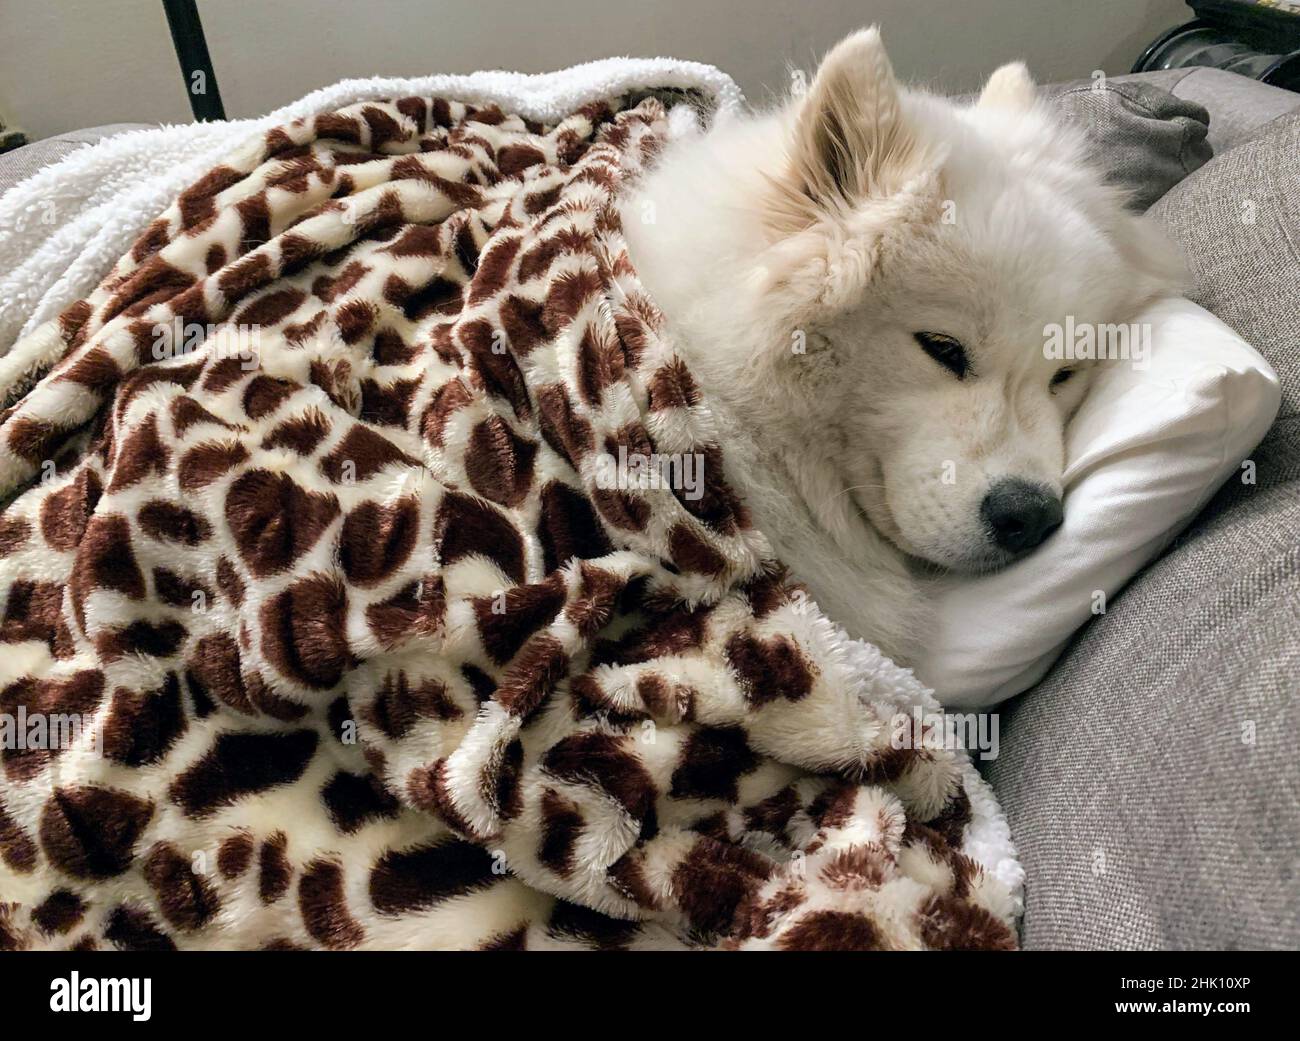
<point>334,616</point>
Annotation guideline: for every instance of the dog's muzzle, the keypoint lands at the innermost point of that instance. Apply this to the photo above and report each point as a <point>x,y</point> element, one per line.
<point>1020,515</point>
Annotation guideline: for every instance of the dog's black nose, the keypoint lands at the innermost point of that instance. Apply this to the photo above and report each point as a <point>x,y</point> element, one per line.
<point>1020,515</point>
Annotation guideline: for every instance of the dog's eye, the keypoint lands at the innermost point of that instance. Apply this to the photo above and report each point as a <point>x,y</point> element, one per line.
<point>946,351</point>
<point>1061,376</point>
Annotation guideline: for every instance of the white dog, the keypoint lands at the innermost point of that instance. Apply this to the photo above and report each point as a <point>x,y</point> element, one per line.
<point>861,281</point>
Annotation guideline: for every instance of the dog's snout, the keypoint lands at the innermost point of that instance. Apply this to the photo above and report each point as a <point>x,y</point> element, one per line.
<point>1020,515</point>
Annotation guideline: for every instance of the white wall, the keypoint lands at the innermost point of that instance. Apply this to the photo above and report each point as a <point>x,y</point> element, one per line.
<point>74,63</point>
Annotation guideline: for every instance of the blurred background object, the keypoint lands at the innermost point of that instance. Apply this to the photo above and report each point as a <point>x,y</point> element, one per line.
<point>11,135</point>
<point>1255,38</point>
<point>200,81</point>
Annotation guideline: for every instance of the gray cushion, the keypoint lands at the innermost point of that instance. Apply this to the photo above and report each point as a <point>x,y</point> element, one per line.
<point>1238,105</point>
<point>1150,780</point>
<point>1145,138</point>
<point>1238,223</point>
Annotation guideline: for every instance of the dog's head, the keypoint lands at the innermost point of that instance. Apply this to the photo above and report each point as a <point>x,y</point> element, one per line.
<point>921,250</point>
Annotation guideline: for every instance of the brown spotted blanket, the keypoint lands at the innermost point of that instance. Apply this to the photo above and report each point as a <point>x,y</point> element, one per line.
<point>321,627</point>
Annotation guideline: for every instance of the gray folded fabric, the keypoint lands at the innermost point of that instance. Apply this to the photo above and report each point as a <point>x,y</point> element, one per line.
<point>1144,138</point>
<point>1238,105</point>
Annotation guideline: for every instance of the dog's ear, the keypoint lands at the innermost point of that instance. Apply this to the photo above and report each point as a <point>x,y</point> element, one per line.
<point>849,136</point>
<point>1009,87</point>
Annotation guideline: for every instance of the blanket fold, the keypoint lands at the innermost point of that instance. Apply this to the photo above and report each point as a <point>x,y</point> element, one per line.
<point>322,537</point>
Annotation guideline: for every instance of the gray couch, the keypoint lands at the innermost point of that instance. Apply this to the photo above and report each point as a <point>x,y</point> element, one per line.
<point>1149,778</point>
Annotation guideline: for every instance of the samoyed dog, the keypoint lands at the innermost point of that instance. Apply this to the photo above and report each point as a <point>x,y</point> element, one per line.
<point>861,281</point>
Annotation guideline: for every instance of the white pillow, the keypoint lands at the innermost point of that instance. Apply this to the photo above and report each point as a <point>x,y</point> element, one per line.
<point>1146,451</point>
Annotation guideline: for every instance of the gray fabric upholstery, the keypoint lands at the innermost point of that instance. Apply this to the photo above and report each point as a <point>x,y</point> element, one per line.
<point>1151,780</point>
<point>21,163</point>
<point>1238,105</point>
<point>1238,223</point>
<point>1145,138</point>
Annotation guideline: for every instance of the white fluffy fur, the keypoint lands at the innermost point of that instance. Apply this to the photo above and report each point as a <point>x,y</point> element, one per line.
<point>797,251</point>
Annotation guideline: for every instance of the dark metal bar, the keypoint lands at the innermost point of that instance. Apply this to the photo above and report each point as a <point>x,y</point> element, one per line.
<point>192,53</point>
